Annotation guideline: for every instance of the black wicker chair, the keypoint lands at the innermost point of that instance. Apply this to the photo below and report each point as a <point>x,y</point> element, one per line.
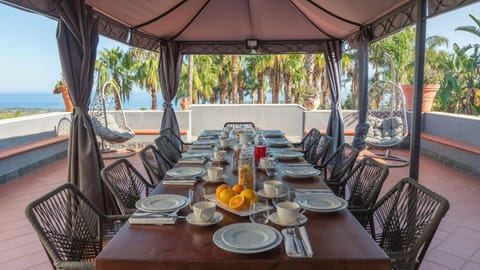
<point>126,184</point>
<point>154,163</point>
<point>404,221</point>
<point>312,136</point>
<point>239,124</point>
<point>169,150</point>
<point>70,228</point>
<point>318,151</point>
<point>175,139</point>
<point>338,165</point>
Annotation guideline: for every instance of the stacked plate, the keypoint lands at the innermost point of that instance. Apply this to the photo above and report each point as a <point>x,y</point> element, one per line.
<point>185,172</point>
<point>287,155</point>
<point>278,142</point>
<point>300,171</point>
<point>162,203</point>
<point>322,203</point>
<point>247,238</point>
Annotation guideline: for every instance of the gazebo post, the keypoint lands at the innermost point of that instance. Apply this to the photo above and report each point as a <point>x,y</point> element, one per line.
<point>418,88</point>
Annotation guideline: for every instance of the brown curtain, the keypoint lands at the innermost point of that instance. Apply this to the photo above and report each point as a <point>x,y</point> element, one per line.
<point>333,57</point>
<point>77,37</point>
<point>169,69</point>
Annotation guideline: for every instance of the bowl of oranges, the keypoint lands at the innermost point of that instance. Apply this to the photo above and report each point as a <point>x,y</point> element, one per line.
<point>235,198</point>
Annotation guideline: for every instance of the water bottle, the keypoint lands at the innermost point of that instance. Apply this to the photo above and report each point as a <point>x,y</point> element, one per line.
<point>260,146</point>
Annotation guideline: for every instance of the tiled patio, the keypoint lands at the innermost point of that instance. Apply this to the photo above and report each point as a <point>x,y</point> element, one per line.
<point>456,244</point>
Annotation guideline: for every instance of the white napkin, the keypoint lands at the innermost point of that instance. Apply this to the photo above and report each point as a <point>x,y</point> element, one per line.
<point>151,218</point>
<point>289,246</point>
<point>179,182</point>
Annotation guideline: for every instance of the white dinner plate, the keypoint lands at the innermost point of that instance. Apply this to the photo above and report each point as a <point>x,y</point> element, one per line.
<point>279,142</point>
<point>217,239</point>
<point>204,142</point>
<point>185,172</point>
<point>218,217</point>
<point>248,236</point>
<point>274,219</point>
<point>287,155</point>
<point>300,172</point>
<point>162,203</point>
<point>322,203</point>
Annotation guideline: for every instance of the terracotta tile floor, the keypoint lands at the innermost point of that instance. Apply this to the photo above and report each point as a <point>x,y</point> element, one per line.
<point>456,244</point>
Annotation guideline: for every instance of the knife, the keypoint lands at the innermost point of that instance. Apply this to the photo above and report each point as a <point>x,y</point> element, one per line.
<point>299,240</point>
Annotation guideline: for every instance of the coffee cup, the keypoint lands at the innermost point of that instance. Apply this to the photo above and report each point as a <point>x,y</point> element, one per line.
<point>204,210</point>
<point>288,212</point>
<point>244,138</point>
<point>272,187</point>
<point>264,162</point>
<point>220,155</point>
<point>214,172</point>
<point>224,143</point>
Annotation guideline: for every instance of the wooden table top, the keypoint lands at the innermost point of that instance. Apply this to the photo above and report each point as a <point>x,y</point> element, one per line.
<point>338,240</point>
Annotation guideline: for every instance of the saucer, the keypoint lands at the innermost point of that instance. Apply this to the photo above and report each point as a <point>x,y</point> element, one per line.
<point>274,219</point>
<point>217,217</point>
<point>262,193</point>
<point>220,160</point>
<point>206,178</point>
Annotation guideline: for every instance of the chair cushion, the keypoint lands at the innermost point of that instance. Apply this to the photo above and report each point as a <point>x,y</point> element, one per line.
<point>384,132</point>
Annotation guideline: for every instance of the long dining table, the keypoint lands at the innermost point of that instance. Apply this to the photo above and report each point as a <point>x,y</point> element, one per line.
<point>338,241</point>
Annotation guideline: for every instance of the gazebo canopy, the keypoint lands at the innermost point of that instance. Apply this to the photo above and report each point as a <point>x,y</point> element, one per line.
<point>223,26</point>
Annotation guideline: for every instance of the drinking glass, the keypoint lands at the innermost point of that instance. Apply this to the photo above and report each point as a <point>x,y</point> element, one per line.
<point>271,169</point>
<point>282,194</point>
<point>196,194</point>
<point>259,212</point>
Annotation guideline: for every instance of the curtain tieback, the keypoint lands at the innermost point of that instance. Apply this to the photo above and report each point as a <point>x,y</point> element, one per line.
<point>166,105</point>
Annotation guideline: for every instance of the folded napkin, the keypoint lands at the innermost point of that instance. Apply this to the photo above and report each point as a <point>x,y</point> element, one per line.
<point>151,218</point>
<point>179,182</point>
<point>192,160</point>
<point>290,246</point>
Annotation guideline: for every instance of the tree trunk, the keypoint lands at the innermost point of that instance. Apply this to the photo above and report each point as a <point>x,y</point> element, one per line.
<point>309,65</point>
<point>288,88</point>
<point>234,96</point>
<point>260,99</point>
<point>190,76</point>
<point>240,91</point>
<point>276,80</point>
<point>325,90</point>
<point>153,93</point>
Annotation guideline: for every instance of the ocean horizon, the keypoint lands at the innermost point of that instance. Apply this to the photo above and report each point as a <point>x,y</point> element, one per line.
<point>48,101</point>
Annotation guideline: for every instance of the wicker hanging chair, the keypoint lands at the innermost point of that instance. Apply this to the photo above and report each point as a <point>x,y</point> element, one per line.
<point>109,120</point>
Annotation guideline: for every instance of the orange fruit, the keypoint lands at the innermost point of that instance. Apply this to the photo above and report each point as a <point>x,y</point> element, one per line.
<point>250,195</point>
<point>238,202</point>
<point>237,188</point>
<point>219,190</point>
<point>226,195</point>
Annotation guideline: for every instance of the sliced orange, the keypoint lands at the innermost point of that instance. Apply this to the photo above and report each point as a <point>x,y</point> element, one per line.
<point>226,195</point>
<point>250,195</point>
<point>219,190</point>
<point>237,188</point>
<point>238,202</point>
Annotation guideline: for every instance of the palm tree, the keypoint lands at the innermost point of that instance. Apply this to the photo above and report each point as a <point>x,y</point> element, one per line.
<point>118,67</point>
<point>147,72</point>
<point>190,75</point>
<point>471,28</point>
<point>235,70</point>
<point>309,68</point>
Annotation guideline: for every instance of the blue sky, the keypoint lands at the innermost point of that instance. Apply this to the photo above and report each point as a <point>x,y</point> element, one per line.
<point>29,55</point>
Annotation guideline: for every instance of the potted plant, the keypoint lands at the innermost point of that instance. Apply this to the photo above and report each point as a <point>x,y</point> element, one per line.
<point>185,103</point>
<point>311,100</point>
<point>61,88</point>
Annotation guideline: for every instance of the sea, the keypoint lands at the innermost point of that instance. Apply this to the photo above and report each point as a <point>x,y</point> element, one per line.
<point>46,100</point>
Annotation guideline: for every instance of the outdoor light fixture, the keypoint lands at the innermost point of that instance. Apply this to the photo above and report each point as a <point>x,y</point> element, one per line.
<point>252,45</point>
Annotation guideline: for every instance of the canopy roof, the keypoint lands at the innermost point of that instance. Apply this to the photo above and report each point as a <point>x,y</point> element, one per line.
<point>223,26</point>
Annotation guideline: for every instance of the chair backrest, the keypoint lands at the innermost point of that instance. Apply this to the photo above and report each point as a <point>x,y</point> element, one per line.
<point>126,184</point>
<point>363,184</point>
<point>168,149</point>
<point>108,117</point>
<point>318,151</point>
<point>67,224</point>
<point>386,115</point>
<point>340,163</point>
<point>310,138</point>
<point>405,220</point>
<point>154,163</point>
<point>173,137</point>
<point>239,124</point>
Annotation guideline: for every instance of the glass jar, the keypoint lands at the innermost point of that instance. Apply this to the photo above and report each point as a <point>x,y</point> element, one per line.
<point>246,169</point>
<point>260,146</point>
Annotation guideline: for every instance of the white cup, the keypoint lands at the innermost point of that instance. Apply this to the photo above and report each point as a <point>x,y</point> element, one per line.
<point>214,172</point>
<point>224,142</point>
<point>264,162</point>
<point>220,155</point>
<point>223,134</point>
<point>272,187</point>
<point>204,210</point>
<point>288,212</point>
<point>244,137</point>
